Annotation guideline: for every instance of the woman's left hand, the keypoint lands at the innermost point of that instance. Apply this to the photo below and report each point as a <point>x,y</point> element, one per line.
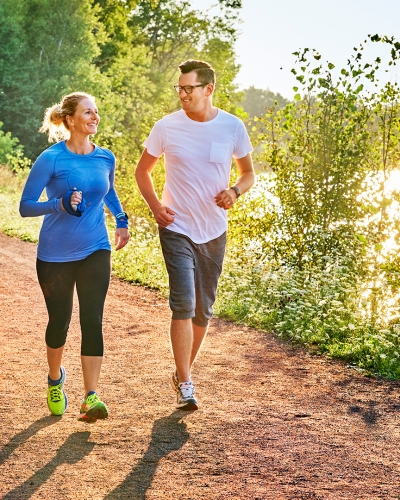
<point>121,237</point>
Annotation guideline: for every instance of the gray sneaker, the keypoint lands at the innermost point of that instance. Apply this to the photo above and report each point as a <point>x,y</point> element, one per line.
<point>185,397</point>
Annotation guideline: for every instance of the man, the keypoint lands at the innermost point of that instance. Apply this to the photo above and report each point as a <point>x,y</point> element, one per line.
<point>198,143</point>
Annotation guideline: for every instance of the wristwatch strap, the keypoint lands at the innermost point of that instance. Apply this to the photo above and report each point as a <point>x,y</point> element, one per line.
<point>236,189</point>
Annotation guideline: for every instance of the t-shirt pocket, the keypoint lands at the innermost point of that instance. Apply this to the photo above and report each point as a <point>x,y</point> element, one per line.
<point>219,152</point>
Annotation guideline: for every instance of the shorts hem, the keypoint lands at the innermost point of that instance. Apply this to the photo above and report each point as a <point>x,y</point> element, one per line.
<point>182,314</point>
<point>201,324</point>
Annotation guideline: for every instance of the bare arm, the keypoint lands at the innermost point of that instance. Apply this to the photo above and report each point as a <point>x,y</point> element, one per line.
<point>226,198</point>
<point>162,214</point>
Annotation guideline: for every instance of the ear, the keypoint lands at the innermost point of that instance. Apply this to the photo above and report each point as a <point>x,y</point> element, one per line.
<point>69,119</point>
<point>209,89</point>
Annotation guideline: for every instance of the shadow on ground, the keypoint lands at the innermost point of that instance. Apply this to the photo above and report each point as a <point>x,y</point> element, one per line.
<point>26,434</point>
<point>168,434</point>
<point>75,448</point>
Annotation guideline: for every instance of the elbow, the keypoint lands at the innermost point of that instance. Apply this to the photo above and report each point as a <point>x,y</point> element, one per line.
<point>22,210</point>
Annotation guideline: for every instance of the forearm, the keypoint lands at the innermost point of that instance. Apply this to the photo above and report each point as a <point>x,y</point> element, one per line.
<point>112,202</point>
<point>33,208</point>
<point>146,187</point>
<point>245,181</point>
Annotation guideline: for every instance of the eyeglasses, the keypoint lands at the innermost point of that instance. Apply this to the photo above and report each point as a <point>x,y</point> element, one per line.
<point>188,88</point>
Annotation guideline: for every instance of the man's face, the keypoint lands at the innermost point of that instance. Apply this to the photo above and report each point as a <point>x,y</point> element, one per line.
<point>199,98</point>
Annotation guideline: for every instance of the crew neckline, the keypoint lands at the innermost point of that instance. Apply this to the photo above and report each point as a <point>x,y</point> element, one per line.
<point>202,123</point>
<point>76,154</point>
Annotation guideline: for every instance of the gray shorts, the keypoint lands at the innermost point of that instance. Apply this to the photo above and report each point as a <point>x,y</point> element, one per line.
<point>194,270</point>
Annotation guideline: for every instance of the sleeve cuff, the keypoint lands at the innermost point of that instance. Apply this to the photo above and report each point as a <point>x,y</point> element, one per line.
<point>122,224</point>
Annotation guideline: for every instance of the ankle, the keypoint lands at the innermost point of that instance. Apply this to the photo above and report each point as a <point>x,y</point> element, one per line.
<point>57,378</point>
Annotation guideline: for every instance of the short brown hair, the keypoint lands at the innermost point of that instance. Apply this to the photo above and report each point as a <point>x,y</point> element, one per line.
<point>55,118</point>
<point>205,72</point>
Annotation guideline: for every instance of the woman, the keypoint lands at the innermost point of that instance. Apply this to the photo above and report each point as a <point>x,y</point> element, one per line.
<point>74,249</point>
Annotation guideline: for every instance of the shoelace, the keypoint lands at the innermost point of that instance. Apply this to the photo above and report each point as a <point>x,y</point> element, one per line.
<point>187,391</point>
<point>55,394</point>
<point>92,399</point>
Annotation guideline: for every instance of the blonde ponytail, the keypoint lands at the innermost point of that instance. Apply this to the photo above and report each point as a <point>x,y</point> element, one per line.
<point>53,124</point>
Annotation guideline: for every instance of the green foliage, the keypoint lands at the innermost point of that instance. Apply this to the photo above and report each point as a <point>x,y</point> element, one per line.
<point>11,153</point>
<point>257,101</point>
<point>318,150</point>
<point>320,311</point>
<point>11,222</point>
<point>47,50</point>
<point>8,145</point>
<point>141,261</point>
<point>125,53</point>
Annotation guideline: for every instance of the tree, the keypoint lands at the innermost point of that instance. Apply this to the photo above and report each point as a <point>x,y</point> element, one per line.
<point>257,101</point>
<point>47,49</point>
<point>172,32</point>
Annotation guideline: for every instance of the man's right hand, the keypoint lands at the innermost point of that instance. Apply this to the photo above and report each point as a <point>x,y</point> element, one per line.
<point>164,216</point>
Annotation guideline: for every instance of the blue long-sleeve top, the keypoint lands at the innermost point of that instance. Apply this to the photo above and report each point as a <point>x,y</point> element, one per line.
<point>63,237</point>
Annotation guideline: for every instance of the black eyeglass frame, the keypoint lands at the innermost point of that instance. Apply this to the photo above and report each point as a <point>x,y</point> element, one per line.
<point>179,88</point>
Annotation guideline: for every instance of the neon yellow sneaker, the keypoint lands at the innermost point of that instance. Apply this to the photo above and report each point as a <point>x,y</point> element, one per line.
<point>92,409</point>
<point>57,400</point>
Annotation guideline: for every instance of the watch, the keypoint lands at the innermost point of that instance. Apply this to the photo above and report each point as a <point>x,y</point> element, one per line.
<point>236,189</point>
<point>122,216</point>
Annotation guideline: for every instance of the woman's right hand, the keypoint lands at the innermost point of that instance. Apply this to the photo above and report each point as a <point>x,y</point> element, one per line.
<point>76,198</point>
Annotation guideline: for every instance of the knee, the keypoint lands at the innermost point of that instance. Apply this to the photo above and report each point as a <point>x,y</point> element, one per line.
<point>202,316</point>
<point>56,337</point>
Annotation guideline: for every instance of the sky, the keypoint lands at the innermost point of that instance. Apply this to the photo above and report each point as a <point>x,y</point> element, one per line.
<point>271,30</point>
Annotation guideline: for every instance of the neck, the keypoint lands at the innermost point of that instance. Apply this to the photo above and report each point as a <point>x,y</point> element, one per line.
<point>204,115</point>
<point>79,145</point>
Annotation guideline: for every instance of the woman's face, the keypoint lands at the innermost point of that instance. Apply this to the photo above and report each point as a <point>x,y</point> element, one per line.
<point>85,119</point>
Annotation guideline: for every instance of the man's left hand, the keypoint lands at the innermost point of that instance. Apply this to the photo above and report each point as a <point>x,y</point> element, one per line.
<point>121,237</point>
<point>226,198</point>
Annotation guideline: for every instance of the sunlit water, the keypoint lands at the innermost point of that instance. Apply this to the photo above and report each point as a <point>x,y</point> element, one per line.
<point>376,194</point>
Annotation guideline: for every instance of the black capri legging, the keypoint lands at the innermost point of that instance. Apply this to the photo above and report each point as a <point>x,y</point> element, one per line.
<point>57,281</point>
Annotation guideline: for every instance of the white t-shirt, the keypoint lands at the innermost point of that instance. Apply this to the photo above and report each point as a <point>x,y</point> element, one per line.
<point>198,158</point>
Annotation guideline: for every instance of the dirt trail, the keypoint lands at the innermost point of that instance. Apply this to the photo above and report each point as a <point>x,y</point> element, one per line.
<point>274,422</point>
